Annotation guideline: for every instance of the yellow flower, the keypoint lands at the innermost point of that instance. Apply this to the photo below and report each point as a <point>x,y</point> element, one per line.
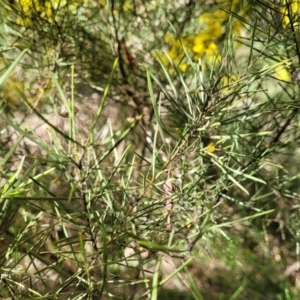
<point>46,9</point>
<point>127,6</point>
<point>188,224</point>
<point>183,67</point>
<point>294,8</point>
<point>199,46</point>
<point>211,148</point>
<point>212,52</point>
<point>282,73</point>
<point>204,44</point>
<point>102,2</point>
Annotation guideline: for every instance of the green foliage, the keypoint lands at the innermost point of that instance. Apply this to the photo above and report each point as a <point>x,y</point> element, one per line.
<point>131,168</point>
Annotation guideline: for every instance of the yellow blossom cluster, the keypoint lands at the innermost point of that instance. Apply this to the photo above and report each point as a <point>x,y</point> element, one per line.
<point>204,44</point>
<point>290,9</point>
<point>44,9</point>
